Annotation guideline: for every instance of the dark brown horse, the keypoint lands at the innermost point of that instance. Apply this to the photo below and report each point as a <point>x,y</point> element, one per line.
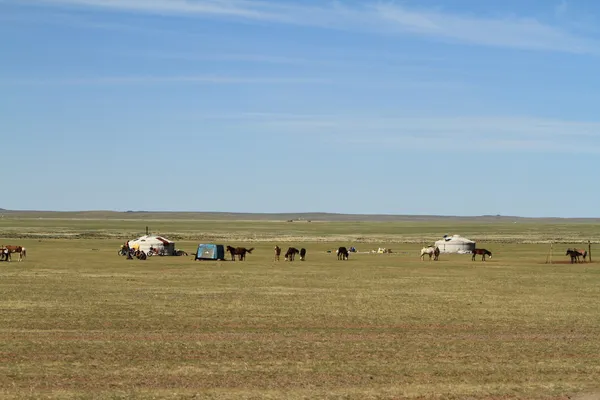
<point>342,253</point>
<point>575,254</point>
<point>482,253</point>
<point>239,251</point>
<point>291,253</point>
<point>277,253</point>
<point>302,254</point>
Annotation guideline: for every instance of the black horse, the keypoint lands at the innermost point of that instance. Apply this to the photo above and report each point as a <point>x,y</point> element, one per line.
<point>575,254</point>
<point>302,254</point>
<point>291,253</point>
<point>482,252</point>
<point>342,253</point>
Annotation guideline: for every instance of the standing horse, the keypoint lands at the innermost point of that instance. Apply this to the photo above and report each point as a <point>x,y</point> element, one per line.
<point>430,251</point>
<point>16,249</point>
<point>231,251</point>
<point>302,254</point>
<point>575,254</point>
<point>482,252</point>
<point>277,253</point>
<point>239,251</point>
<point>436,254</point>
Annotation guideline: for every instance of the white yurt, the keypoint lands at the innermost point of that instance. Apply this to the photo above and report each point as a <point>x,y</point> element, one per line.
<point>158,243</point>
<point>455,244</point>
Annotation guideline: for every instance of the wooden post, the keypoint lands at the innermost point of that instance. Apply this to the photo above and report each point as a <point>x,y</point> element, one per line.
<point>590,250</point>
<point>549,256</point>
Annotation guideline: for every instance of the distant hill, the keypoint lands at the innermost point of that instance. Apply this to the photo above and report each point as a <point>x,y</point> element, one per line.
<point>291,217</point>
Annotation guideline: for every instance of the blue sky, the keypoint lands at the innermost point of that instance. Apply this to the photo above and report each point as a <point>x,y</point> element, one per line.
<point>455,107</point>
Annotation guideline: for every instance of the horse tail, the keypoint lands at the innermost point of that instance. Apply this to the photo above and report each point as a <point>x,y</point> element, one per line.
<point>250,249</point>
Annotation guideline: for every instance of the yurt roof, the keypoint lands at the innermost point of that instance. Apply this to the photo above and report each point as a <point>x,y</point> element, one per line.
<point>456,239</point>
<point>153,239</point>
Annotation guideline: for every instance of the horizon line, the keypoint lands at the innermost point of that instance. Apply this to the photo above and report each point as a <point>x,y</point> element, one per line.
<point>296,213</point>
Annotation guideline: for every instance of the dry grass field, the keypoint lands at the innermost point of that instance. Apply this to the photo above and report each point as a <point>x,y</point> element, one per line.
<point>78,321</point>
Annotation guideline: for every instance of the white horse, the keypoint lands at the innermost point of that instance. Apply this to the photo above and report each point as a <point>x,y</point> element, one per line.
<point>430,251</point>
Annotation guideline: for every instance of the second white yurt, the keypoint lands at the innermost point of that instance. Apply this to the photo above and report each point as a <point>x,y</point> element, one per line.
<point>455,244</point>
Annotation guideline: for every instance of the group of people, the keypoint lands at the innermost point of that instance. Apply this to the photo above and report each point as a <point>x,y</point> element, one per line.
<point>134,251</point>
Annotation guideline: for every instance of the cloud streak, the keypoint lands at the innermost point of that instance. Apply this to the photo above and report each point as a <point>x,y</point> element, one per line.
<point>468,133</point>
<point>505,32</point>
<point>153,80</point>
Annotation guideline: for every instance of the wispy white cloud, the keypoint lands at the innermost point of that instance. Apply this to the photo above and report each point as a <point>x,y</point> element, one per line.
<point>468,133</point>
<point>512,32</point>
<point>561,8</point>
<point>205,56</point>
<point>150,80</point>
<point>498,31</point>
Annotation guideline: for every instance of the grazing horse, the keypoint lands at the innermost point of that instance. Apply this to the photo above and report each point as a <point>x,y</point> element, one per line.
<point>342,253</point>
<point>302,254</point>
<point>291,253</point>
<point>15,249</point>
<point>482,252</point>
<point>430,251</point>
<point>277,253</point>
<point>575,254</point>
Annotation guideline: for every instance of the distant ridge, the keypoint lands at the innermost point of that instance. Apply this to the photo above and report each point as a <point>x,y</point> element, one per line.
<point>290,217</point>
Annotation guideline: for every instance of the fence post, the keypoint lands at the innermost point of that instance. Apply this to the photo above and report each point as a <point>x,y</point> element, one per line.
<point>590,250</point>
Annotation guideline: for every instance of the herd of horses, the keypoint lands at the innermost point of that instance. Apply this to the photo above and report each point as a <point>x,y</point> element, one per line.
<point>7,251</point>
<point>342,253</point>
<point>290,254</point>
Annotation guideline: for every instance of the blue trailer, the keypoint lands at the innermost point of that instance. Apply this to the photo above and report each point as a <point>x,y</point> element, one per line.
<point>210,252</point>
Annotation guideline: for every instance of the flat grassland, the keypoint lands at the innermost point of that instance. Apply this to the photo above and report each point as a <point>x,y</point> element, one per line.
<point>78,321</point>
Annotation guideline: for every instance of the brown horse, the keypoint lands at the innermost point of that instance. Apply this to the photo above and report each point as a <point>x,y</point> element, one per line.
<point>277,253</point>
<point>482,252</point>
<point>239,251</point>
<point>15,249</point>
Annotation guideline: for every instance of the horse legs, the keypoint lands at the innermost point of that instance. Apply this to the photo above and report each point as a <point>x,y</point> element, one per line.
<point>473,258</point>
